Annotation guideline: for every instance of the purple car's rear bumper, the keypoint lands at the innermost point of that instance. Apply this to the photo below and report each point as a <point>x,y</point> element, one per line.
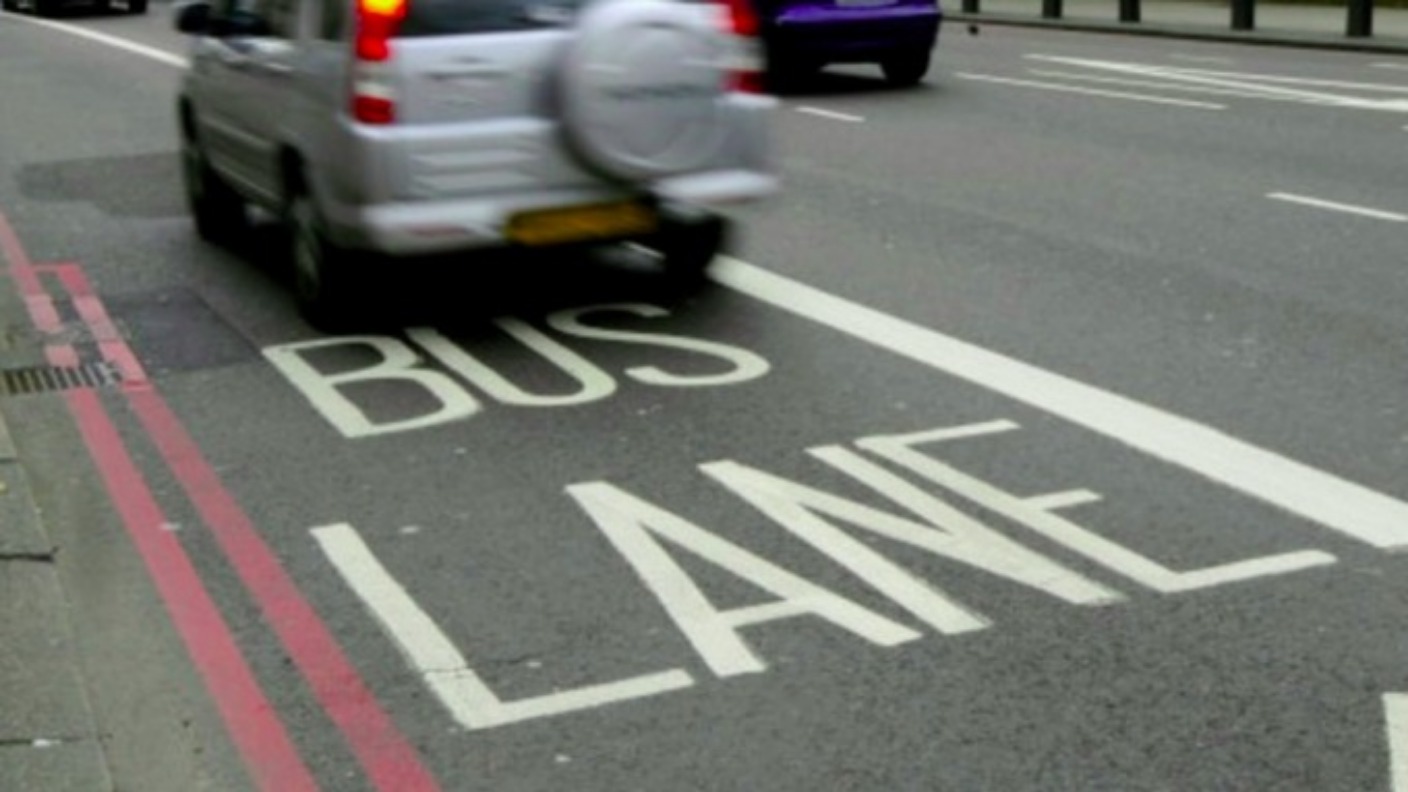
<point>851,34</point>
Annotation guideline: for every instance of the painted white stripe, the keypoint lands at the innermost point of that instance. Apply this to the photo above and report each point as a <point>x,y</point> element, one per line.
<point>1247,82</point>
<point>1162,86</point>
<point>1396,717</point>
<point>1362,211</point>
<point>1398,66</point>
<point>1200,58</point>
<point>446,672</point>
<point>1341,505</point>
<point>1062,500</point>
<point>831,114</point>
<point>1090,91</point>
<point>161,56</point>
<point>1310,81</point>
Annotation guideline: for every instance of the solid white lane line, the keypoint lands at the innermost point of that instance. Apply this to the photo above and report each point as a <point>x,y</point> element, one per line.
<point>831,114</point>
<point>1090,91</point>
<point>1398,66</point>
<point>1336,503</point>
<point>1362,211</point>
<point>161,56</point>
<point>1396,718</point>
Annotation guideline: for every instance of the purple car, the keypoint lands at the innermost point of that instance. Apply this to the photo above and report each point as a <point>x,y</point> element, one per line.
<point>802,36</point>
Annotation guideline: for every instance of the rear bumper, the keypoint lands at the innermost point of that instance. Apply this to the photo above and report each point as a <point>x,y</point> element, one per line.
<point>425,228</point>
<point>856,35</point>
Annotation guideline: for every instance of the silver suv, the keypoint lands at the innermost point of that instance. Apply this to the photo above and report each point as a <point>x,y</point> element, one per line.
<point>381,128</point>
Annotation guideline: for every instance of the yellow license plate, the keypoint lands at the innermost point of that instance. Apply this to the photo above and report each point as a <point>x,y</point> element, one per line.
<point>581,223</point>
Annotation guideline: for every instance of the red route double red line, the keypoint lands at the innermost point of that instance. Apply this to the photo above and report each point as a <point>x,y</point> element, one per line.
<point>390,762</point>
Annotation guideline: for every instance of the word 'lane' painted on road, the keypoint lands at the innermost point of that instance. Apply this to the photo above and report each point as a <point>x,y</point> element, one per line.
<point>400,363</point>
<point>650,537</point>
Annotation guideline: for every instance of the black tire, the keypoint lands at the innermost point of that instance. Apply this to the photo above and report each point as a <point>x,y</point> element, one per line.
<point>791,74</point>
<point>688,248</point>
<point>327,279</point>
<point>46,8</point>
<point>136,6</point>
<point>906,69</point>
<point>8,5</point>
<point>218,211</point>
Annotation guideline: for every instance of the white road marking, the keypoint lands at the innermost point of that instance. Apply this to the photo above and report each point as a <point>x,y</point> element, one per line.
<point>1398,66</point>
<point>1314,82</point>
<point>445,671</point>
<point>1362,211</point>
<point>635,527</point>
<point>1396,719</point>
<point>1341,505</point>
<point>161,56</point>
<point>831,114</point>
<point>1200,58</point>
<point>1162,86</point>
<point>397,362</point>
<point>1055,501</point>
<point>900,449</point>
<point>1247,82</point>
<point>1090,91</point>
<point>816,517</point>
<point>332,393</point>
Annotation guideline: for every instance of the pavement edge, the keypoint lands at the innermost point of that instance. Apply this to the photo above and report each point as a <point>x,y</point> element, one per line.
<point>49,737</point>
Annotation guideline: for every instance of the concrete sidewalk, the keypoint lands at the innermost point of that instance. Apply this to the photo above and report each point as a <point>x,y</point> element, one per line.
<point>48,736</point>
<point>1297,25</point>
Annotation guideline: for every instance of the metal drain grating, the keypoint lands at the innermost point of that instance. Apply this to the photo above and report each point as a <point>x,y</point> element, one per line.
<point>43,379</point>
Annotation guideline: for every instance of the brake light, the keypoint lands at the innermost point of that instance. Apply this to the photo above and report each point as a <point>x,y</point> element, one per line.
<point>743,19</point>
<point>746,73</point>
<point>373,95</point>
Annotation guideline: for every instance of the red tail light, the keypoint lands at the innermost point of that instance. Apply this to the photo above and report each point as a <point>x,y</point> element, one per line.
<point>743,19</point>
<point>373,97</point>
<point>746,75</point>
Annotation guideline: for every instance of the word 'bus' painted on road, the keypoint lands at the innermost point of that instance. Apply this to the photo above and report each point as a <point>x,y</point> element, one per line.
<point>649,538</point>
<point>399,363</point>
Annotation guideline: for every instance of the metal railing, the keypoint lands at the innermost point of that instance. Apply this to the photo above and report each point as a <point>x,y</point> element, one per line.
<point>1359,14</point>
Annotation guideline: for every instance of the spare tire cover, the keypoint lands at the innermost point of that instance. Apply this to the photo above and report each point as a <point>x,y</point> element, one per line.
<point>640,85</point>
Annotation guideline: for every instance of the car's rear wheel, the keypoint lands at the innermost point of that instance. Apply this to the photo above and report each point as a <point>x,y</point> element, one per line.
<point>218,211</point>
<point>46,8</point>
<point>8,5</point>
<point>326,277</point>
<point>906,68</point>
<point>791,74</point>
<point>136,6</point>
<point>688,247</point>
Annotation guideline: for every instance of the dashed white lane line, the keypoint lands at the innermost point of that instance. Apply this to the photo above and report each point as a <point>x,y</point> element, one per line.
<point>1336,503</point>
<point>1397,66</point>
<point>1163,100</point>
<point>159,55</point>
<point>1334,206</point>
<point>831,114</point>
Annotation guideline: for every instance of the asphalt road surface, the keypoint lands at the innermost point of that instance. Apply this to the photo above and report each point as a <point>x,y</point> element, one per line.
<point>1050,432</point>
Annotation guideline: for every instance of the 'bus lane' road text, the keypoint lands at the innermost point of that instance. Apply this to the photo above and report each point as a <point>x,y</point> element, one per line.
<point>650,537</point>
<point>398,362</point>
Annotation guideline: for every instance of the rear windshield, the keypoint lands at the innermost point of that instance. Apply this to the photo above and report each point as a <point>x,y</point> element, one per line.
<point>453,17</point>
